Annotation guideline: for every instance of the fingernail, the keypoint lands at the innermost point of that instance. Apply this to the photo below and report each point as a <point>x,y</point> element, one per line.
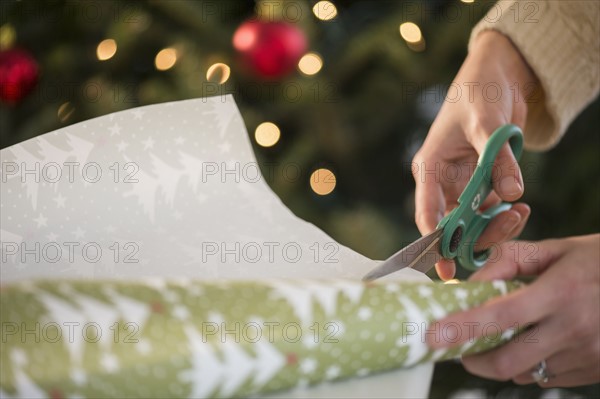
<point>509,224</point>
<point>510,186</point>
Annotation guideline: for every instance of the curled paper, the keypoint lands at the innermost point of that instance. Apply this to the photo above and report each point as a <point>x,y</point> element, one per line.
<point>172,193</point>
<point>199,339</point>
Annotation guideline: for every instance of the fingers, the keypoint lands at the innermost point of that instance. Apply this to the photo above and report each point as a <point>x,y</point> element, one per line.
<point>506,177</point>
<point>507,180</point>
<point>519,308</point>
<point>583,374</point>
<point>445,269</point>
<point>429,202</point>
<point>504,226</point>
<point>573,378</point>
<point>566,367</point>
<point>518,258</point>
<point>515,358</point>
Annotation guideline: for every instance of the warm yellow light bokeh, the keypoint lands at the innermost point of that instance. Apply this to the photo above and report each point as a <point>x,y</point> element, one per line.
<point>410,32</point>
<point>325,10</point>
<point>106,49</point>
<point>7,36</point>
<point>310,63</point>
<point>322,181</point>
<point>65,111</point>
<point>165,59</point>
<point>468,1</point>
<point>218,73</point>
<point>267,134</point>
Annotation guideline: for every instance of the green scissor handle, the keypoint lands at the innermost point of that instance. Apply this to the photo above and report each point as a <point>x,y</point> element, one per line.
<point>463,226</point>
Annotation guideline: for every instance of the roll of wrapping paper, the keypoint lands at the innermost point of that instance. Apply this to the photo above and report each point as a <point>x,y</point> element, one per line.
<point>159,338</point>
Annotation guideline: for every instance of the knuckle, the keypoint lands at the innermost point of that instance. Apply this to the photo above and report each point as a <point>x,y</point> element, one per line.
<point>502,367</point>
<point>417,162</point>
<point>504,315</point>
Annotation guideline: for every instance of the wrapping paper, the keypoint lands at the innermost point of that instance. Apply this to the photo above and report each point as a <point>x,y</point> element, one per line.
<point>149,225</point>
<point>198,339</point>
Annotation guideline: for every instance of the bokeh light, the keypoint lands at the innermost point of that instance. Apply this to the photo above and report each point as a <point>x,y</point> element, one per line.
<point>7,36</point>
<point>267,134</point>
<point>65,111</point>
<point>218,73</point>
<point>244,37</point>
<point>325,10</point>
<point>322,181</point>
<point>310,64</point>
<point>468,1</point>
<point>106,49</point>
<point>410,32</point>
<point>165,59</point>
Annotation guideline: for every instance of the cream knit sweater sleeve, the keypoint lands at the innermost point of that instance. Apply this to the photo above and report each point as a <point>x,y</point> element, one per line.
<point>560,40</point>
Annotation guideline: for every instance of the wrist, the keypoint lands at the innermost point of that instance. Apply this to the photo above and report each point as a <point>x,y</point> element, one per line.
<point>493,48</point>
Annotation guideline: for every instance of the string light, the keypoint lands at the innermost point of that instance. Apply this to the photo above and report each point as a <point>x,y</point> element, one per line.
<point>468,1</point>
<point>410,32</point>
<point>7,36</point>
<point>106,49</point>
<point>244,38</point>
<point>65,111</point>
<point>267,134</point>
<point>310,64</point>
<point>322,181</point>
<point>325,10</point>
<point>218,73</point>
<point>165,59</point>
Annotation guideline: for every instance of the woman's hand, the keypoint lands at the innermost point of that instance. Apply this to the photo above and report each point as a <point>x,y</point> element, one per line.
<point>563,303</point>
<point>489,91</point>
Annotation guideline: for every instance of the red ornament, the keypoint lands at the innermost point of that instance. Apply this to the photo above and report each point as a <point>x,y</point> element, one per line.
<point>269,49</point>
<point>18,75</point>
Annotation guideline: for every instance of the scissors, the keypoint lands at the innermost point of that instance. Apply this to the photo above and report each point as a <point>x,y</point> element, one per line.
<point>455,235</point>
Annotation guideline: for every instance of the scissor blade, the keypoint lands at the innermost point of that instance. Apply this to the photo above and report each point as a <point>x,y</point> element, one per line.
<point>421,255</point>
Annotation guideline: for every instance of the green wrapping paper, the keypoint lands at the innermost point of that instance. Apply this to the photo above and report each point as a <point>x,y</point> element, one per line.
<point>160,338</point>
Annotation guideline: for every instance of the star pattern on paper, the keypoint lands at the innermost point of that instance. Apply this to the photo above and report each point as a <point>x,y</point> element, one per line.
<point>60,200</point>
<point>148,143</point>
<point>52,237</point>
<point>41,221</point>
<point>78,233</point>
<point>138,113</point>
<point>122,146</point>
<point>115,129</point>
<point>179,140</point>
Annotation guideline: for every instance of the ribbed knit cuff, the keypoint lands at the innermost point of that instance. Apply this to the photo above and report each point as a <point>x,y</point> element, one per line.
<point>560,40</point>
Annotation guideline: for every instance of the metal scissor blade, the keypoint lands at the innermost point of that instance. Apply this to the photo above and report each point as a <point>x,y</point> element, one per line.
<point>421,255</point>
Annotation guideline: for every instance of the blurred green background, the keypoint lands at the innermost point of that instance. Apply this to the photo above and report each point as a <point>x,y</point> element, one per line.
<point>362,116</point>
